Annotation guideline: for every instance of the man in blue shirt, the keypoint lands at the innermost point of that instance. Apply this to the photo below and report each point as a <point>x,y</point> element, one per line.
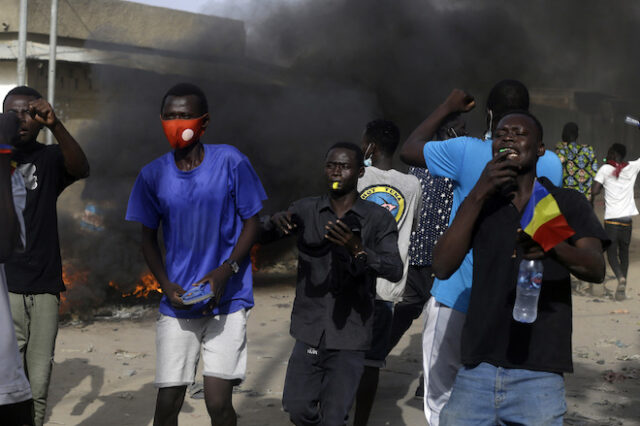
<point>207,198</point>
<point>461,160</point>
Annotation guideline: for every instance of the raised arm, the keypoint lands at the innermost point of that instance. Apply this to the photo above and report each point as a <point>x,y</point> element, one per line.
<point>412,150</point>
<point>75,162</point>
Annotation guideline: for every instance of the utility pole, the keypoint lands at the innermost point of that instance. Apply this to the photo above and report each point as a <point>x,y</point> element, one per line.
<point>53,44</point>
<point>22,44</point>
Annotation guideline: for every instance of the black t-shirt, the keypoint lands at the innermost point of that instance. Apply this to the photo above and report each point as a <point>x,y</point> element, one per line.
<point>39,269</point>
<point>490,333</point>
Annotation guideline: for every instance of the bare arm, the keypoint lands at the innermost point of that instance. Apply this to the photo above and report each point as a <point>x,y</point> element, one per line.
<point>153,257</point>
<point>596,188</point>
<point>219,276</point>
<point>584,259</point>
<point>9,231</point>
<point>412,151</point>
<point>75,162</point>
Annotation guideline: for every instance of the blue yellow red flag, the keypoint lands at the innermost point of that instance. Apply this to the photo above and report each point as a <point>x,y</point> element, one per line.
<point>542,219</point>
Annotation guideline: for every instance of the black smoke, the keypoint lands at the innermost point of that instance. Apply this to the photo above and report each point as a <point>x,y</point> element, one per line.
<point>328,67</point>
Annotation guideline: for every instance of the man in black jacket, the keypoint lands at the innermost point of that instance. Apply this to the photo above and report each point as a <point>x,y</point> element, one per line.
<point>344,243</point>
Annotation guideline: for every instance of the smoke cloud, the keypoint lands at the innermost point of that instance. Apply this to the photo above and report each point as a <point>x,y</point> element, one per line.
<point>341,64</point>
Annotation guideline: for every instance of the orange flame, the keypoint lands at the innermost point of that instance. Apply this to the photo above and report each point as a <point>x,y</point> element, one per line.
<point>72,276</point>
<point>254,257</point>
<point>146,285</point>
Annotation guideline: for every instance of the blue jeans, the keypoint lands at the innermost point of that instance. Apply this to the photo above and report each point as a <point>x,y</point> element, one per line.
<point>489,395</point>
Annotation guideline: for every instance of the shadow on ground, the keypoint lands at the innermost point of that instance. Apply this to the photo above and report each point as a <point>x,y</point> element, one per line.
<point>397,387</point>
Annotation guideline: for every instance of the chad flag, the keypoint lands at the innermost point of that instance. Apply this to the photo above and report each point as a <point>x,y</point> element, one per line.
<point>542,219</point>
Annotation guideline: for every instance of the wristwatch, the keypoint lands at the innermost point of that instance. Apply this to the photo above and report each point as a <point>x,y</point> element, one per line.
<point>361,256</point>
<point>233,265</point>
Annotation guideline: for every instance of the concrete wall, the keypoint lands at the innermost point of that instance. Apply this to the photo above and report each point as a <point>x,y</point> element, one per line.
<point>131,24</point>
<point>8,77</point>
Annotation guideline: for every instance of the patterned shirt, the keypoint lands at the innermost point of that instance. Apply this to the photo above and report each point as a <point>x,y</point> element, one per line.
<point>437,197</point>
<point>579,166</point>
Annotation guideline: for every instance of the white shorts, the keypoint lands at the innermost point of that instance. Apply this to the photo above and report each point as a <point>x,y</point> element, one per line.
<point>440,355</point>
<point>223,339</point>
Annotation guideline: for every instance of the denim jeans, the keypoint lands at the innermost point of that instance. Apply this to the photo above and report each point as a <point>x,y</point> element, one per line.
<point>489,395</point>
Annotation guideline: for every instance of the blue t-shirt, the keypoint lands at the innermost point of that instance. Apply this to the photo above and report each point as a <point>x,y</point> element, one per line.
<point>201,211</point>
<point>462,160</point>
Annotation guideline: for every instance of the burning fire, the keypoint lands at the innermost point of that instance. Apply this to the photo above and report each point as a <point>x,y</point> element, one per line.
<point>146,285</point>
<point>72,276</point>
<point>254,257</point>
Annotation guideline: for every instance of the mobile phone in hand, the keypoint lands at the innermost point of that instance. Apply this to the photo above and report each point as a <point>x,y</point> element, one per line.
<point>197,294</point>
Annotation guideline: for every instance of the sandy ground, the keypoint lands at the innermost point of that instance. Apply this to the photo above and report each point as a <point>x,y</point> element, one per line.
<point>104,369</point>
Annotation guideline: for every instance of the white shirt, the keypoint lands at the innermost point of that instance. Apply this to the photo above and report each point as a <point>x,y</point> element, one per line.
<point>401,194</point>
<point>618,192</point>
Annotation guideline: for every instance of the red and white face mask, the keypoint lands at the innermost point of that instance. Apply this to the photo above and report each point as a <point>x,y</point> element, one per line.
<point>182,133</point>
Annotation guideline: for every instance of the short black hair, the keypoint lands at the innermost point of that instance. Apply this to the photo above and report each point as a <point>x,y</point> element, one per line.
<point>350,146</point>
<point>9,127</point>
<point>507,95</point>
<point>527,114</point>
<point>22,91</point>
<point>619,149</point>
<point>384,134</point>
<point>570,132</point>
<point>187,89</point>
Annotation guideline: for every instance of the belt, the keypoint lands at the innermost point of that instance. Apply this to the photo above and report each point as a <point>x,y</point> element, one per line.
<point>613,222</point>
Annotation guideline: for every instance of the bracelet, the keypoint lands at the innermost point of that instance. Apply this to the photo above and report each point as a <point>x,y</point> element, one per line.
<point>6,149</point>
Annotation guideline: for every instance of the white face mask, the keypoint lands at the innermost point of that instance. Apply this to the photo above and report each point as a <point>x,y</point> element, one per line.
<point>488,134</point>
<point>368,162</point>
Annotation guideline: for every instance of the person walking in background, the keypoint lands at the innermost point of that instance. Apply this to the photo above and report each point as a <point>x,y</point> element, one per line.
<point>34,276</point>
<point>579,162</point>
<point>579,167</point>
<point>399,193</point>
<point>618,179</point>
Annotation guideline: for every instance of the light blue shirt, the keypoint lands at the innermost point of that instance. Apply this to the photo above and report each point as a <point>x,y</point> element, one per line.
<point>462,160</point>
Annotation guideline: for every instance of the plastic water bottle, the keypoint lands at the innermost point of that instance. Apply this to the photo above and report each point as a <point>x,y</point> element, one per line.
<point>528,290</point>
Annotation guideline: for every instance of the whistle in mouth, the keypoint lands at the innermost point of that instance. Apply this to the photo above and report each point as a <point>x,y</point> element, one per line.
<point>335,185</point>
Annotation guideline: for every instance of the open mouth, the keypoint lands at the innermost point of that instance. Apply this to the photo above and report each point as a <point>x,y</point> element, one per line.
<point>512,154</point>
